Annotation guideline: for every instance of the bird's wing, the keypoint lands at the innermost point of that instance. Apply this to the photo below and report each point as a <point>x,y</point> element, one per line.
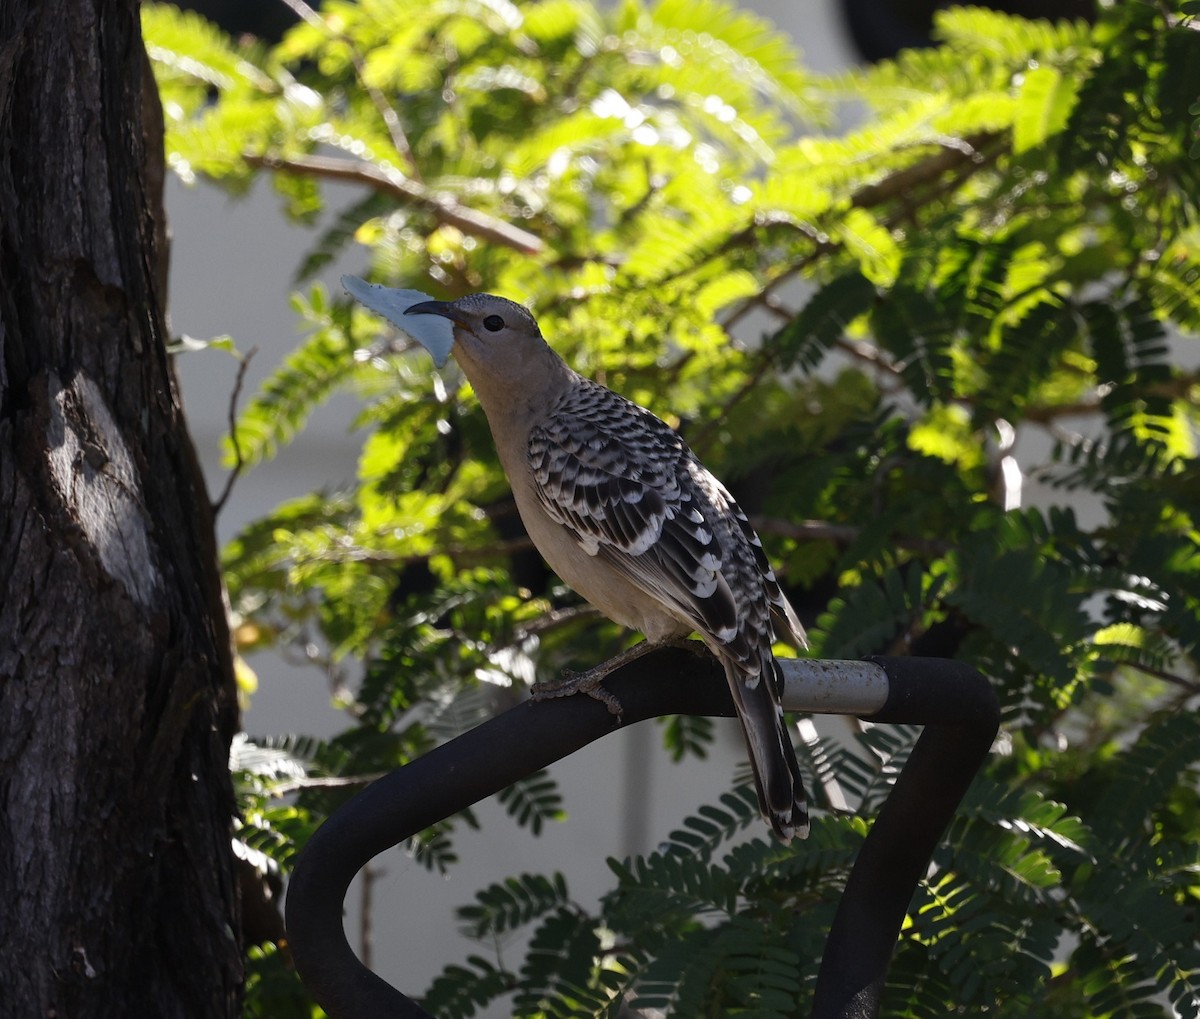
<point>789,626</point>
<point>635,497</point>
<point>623,483</point>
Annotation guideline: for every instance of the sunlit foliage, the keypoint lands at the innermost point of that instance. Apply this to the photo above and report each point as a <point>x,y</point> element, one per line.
<point>883,337</point>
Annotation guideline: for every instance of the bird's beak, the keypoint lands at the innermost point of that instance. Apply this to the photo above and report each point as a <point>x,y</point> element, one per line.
<point>432,322</point>
<point>437,341</point>
<point>443,308</point>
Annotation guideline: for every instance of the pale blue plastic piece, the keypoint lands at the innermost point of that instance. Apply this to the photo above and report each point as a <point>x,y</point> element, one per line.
<point>433,332</point>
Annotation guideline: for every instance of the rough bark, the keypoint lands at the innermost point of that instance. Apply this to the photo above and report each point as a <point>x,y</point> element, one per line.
<point>117,702</point>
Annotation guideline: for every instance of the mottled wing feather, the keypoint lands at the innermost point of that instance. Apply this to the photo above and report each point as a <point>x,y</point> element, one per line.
<point>620,480</point>
<point>781,609</point>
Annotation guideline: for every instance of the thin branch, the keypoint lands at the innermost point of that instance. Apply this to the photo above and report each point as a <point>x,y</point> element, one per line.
<point>239,462</point>
<point>552,620</point>
<point>463,555</point>
<point>869,354</point>
<point>841,534</point>
<point>391,120</point>
<point>443,207</point>
<point>1049,414</point>
<point>326,782</point>
<point>1177,388</point>
<point>771,304</point>
<point>1190,686</point>
<point>964,153</point>
<point>766,360</point>
<point>366,900</point>
<point>306,13</point>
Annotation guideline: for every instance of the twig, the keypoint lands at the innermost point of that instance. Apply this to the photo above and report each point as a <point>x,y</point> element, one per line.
<point>966,156</point>
<point>1047,415</point>
<point>841,534</point>
<point>464,555</point>
<point>238,461</point>
<point>1190,686</point>
<point>872,355</point>
<point>764,296</point>
<point>1176,388</point>
<point>765,362</point>
<point>306,13</point>
<point>391,118</point>
<point>444,208</point>
<point>365,901</point>
<point>326,782</point>
<point>898,184</point>
<point>551,621</point>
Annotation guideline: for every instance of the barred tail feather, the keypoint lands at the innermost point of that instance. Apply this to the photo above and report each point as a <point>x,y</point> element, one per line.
<point>776,772</point>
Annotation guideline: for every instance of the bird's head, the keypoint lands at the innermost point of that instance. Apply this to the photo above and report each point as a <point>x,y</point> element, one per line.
<point>487,330</point>
<point>495,341</point>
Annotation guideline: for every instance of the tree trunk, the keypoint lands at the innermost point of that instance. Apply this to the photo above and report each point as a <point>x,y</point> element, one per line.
<point>117,703</point>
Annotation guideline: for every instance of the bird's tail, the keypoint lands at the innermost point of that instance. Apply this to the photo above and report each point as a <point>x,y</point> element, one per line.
<point>772,757</point>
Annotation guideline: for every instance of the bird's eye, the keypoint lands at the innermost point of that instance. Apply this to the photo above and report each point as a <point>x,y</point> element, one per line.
<point>493,323</point>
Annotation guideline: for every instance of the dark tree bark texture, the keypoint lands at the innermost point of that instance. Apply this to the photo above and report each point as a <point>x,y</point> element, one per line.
<point>117,884</point>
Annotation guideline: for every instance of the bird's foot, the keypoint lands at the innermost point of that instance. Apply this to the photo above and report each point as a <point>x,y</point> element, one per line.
<point>590,683</point>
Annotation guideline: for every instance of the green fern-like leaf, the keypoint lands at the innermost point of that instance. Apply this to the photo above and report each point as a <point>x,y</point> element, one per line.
<point>760,976</point>
<point>1027,351</point>
<point>513,903</point>
<point>1143,776</point>
<point>755,47</point>
<point>184,45</point>
<point>459,992</point>
<point>739,964</point>
<point>1079,462</point>
<point>558,975</point>
<point>1129,345</point>
<point>823,321</point>
<point>972,278</point>
<point>434,849</point>
<point>679,980</point>
<point>1174,288</point>
<point>681,884</point>
<point>868,617</point>
<point>885,749</point>
<point>1030,815</point>
<point>710,826</point>
<point>1025,600</point>
<point>1047,98</point>
<point>269,759</point>
<point>533,800</point>
<point>687,734</point>
<point>916,331</point>
<point>338,236</point>
<point>672,246</point>
<point>273,988</point>
<point>990,31</point>
<point>278,832</point>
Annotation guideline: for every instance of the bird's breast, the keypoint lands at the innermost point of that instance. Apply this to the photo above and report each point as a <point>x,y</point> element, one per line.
<point>592,576</point>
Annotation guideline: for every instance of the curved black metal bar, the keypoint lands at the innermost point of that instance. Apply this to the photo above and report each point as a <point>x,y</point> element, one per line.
<point>448,779</point>
<point>952,700</point>
<point>961,715</point>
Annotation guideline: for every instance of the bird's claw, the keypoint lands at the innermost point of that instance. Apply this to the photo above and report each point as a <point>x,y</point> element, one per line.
<point>590,683</point>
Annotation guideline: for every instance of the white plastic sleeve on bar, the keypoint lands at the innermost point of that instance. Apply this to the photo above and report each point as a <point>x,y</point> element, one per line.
<point>833,687</point>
